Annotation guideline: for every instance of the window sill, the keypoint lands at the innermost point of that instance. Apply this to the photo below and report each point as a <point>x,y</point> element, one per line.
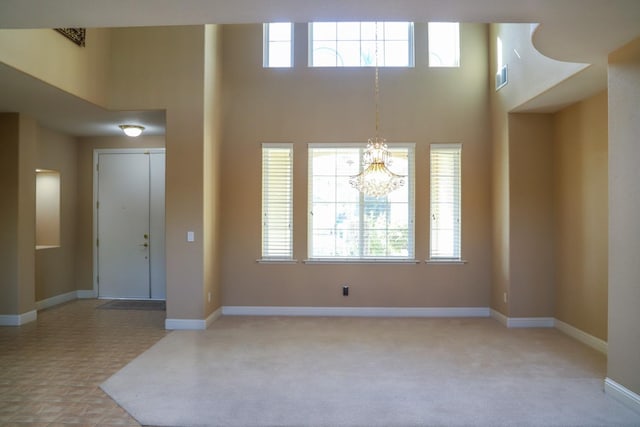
<point>445,261</point>
<point>360,261</point>
<point>276,261</point>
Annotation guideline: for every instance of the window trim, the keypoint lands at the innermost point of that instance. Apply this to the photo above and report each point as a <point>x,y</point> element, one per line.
<point>446,259</point>
<point>411,205</point>
<point>266,146</point>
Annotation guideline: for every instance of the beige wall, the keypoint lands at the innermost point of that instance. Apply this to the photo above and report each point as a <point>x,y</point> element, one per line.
<point>303,105</point>
<point>18,134</point>
<point>529,74</point>
<point>624,205</point>
<point>212,296</point>
<point>9,169</point>
<point>581,213</point>
<point>55,267</point>
<point>531,241</point>
<point>84,214</point>
<point>164,68</point>
<point>80,71</point>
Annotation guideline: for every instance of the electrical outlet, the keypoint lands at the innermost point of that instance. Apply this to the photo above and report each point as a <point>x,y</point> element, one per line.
<point>504,297</point>
<point>345,290</point>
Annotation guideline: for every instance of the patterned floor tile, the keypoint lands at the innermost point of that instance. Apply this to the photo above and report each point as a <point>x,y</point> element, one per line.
<point>52,368</point>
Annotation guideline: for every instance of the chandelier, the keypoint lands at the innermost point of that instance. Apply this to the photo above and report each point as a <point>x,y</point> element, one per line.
<point>376,179</point>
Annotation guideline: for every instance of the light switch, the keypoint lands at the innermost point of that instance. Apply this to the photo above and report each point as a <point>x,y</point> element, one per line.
<point>190,236</point>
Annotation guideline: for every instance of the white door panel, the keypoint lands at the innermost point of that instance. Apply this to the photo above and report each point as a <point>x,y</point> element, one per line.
<point>130,225</point>
<point>156,226</point>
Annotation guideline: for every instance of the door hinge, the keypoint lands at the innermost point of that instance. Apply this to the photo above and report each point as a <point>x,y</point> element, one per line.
<point>97,205</point>
<point>97,167</point>
<point>97,242</point>
<point>98,279</point>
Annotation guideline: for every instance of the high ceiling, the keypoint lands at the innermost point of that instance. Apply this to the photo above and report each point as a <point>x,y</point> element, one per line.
<point>570,30</point>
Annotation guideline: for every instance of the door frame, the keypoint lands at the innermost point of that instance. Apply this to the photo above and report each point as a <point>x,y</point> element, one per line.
<point>96,154</point>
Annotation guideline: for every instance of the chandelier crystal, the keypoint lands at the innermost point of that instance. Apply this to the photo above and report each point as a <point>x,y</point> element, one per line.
<point>376,179</point>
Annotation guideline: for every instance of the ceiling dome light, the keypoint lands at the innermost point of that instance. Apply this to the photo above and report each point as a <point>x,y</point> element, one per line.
<point>132,130</point>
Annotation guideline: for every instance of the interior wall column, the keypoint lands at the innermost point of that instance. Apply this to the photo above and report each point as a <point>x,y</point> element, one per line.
<point>18,139</point>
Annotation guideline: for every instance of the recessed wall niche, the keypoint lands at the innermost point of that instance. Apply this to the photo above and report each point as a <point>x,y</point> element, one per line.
<point>47,209</point>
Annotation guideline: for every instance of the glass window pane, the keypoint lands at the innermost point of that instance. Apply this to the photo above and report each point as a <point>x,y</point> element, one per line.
<point>444,44</point>
<point>280,31</point>
<point>347,44</point>
<point>396,30</point>
<point>396,54</point>
<point>324,54</point>
<point>324,30</point>
<point>348,53</point>
<point>363,226</point>
<point>348,31</point>
<point>280,54</point>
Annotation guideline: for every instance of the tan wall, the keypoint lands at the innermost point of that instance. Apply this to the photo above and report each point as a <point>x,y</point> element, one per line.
<point>500,284</point>
<point>55,267</point>
<point>624,205</point>
<point>303,105</point>
<point>9,135</point>
<point>529,74</point>
<point>18,134</point>
<point>581,213</point>
<point>80,71</point>
<point>163,68</point>
<point>212,142</point>
<point>84,214</point>
<point>531,215</point>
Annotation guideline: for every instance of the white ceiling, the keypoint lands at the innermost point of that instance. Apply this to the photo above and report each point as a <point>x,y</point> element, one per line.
<point>575,30</point>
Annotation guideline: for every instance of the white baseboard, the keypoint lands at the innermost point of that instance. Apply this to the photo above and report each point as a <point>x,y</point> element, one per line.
<point>18,319</point>
<point>622,394</point>
<point>530,322</point>
<point>495,314</point>
<point>58,299</point>
<point>582,336</point>
<point>523,322</point>
<point>356,311</point>
<point>213,317</point>
<point>185,324</point>
<point>86,294</point>
<point>192,324</point>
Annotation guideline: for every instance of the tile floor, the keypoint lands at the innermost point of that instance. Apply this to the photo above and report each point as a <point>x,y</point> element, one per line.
<point>51,369</point>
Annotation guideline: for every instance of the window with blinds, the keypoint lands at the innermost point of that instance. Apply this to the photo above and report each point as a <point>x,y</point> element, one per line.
<point>346,225</point>
<point>277,201</point>
<point>445,243</point>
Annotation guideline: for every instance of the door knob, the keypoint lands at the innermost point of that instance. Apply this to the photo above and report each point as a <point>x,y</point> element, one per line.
<point>144,244</point>
<point>146,236</point>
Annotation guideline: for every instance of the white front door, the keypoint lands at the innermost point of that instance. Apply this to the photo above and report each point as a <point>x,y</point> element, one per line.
<point>130,225</point>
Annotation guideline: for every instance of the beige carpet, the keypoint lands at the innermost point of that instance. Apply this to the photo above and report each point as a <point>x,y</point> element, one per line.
<point>275,371</point>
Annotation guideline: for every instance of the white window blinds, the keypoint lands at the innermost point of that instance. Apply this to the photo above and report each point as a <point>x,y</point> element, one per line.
<point>445,201</point>
<point>277,201</point>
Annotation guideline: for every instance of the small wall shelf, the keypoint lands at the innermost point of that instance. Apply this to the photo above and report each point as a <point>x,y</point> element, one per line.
<point>47,209</point>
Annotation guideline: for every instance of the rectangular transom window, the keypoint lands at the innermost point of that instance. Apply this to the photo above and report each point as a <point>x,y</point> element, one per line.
<point>277,201</point>
<point>278,45</point>
<point>353,44</point>
<point>444,44</point>
<point>346,225</point>
<point>445,201</point>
